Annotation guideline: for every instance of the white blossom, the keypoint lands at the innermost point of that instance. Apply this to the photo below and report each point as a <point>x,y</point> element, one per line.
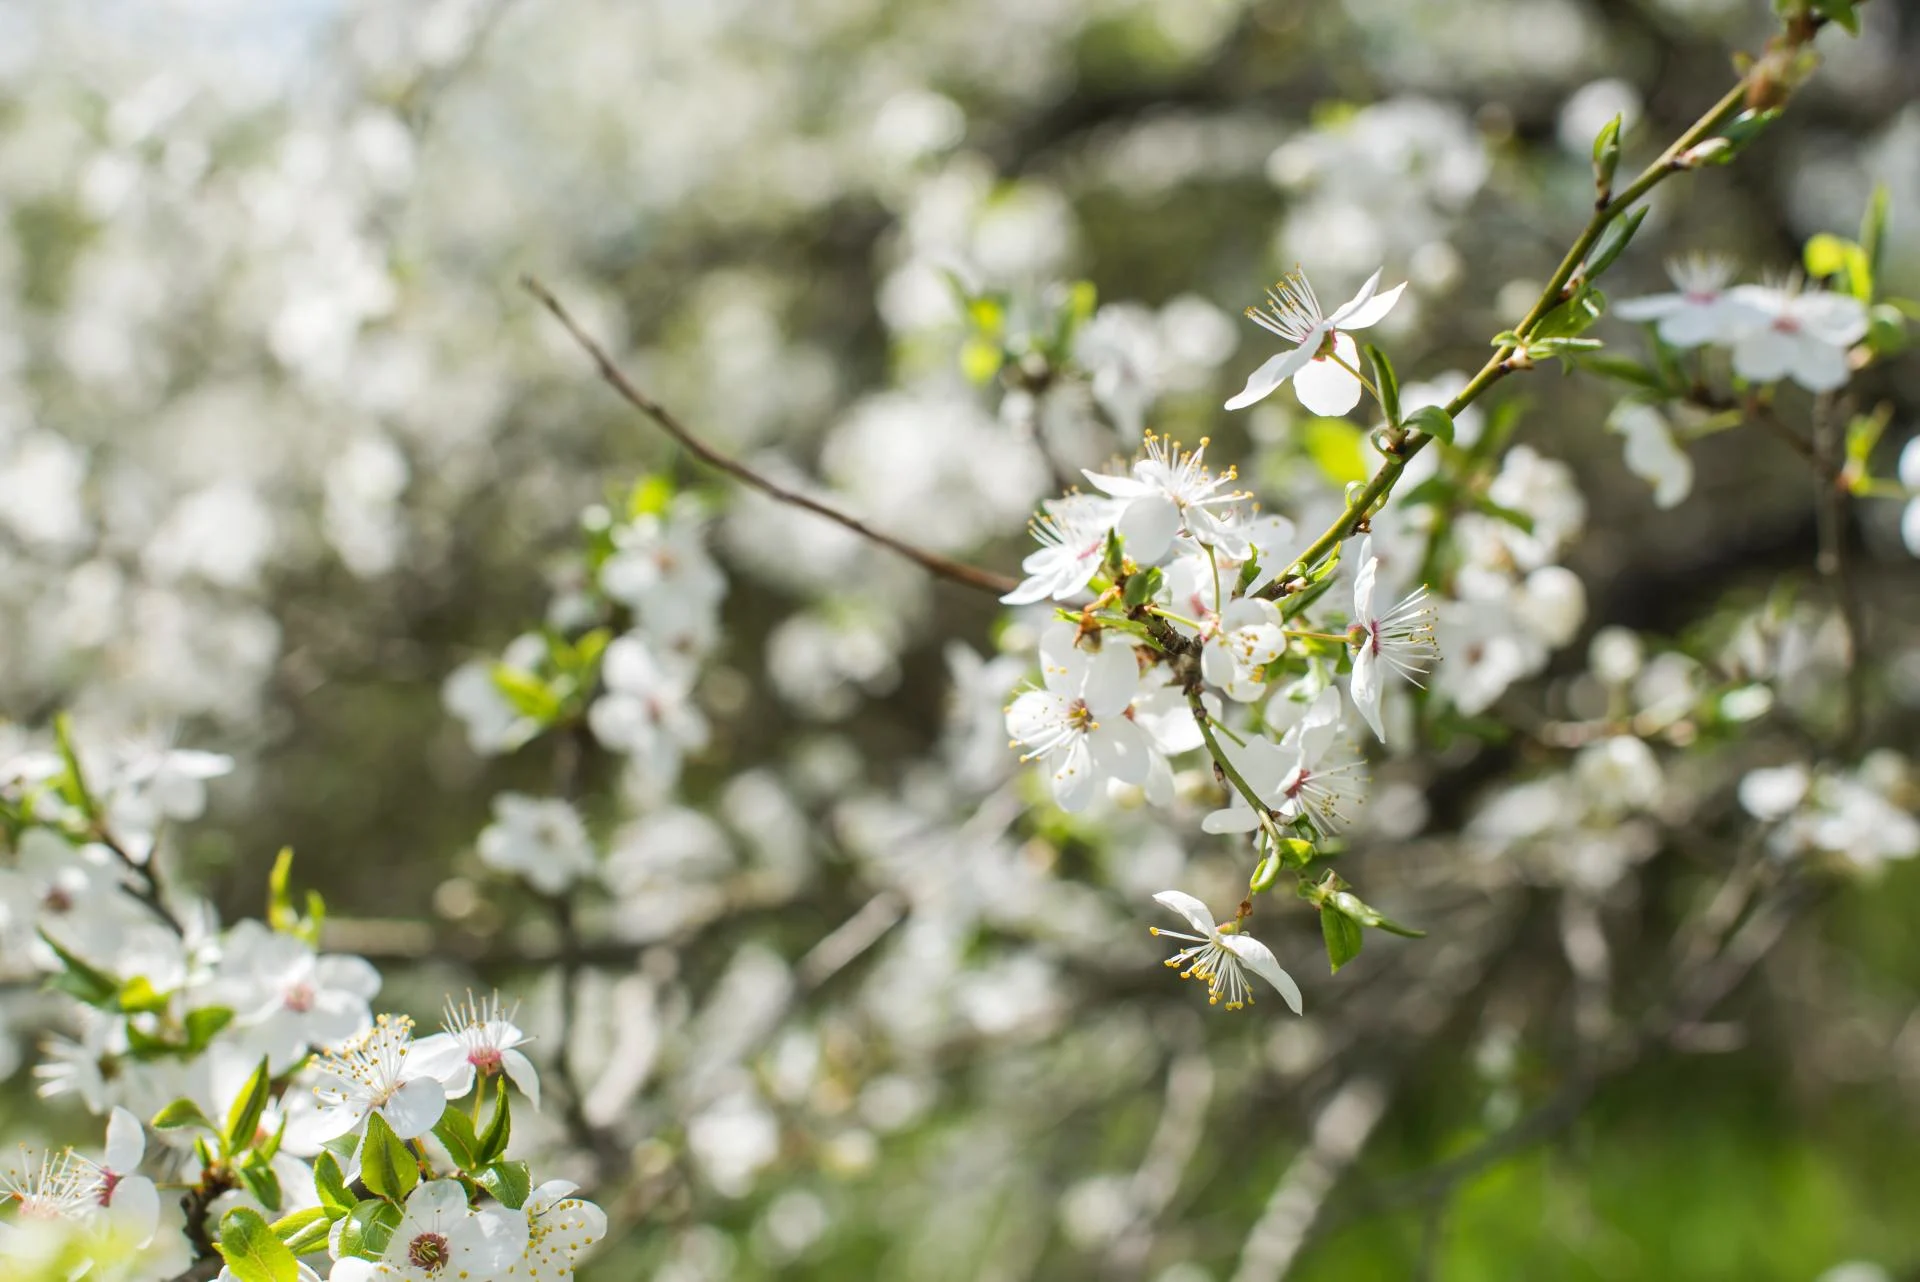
<point>1078,721</point>
<point>287,999</point>
<point>1221,958</point>
<point>480,1040</point>
<point>376,1073</point>
<point>1170,492</point>
<point>1397,640</point>
<point>1321,344</point>
<point>1701,310</point>
<point>1072,533</point>
<point>539,838</point>
<point>1797,334</point>
<point>440,1238</point>
<point>560,1229</point>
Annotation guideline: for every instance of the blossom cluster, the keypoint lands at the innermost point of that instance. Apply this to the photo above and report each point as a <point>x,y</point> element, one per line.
<point>256,1060</point>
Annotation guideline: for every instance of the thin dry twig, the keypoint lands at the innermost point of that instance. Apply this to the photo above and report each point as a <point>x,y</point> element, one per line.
<point>932,562</point>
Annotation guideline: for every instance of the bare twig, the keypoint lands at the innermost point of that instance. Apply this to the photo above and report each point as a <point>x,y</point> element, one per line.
<point>932,562</point>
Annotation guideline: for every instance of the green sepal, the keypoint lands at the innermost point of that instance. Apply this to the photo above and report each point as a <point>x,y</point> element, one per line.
<point>1142,587</point>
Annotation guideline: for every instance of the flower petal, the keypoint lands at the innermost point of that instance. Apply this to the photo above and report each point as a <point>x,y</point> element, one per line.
<point>1361,298</point>
<point>1148,525</point>
<point>521,1073</point>
<point>126,1142</point>
<point>1237,818</point>
<point>1112,679</point>
<point>1074,779</point>
<point>1259,959</point>
<point>1649,307</point>
<point>414,1108</point>
<point>1371,312</point>
<point>1326,388</point>
<point>1367,689</point>
<point>1277,370</point>
<point>1187,906</point>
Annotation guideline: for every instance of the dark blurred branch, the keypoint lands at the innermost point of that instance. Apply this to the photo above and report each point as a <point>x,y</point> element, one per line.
<point>932,562</point>
<point>1831,504</point>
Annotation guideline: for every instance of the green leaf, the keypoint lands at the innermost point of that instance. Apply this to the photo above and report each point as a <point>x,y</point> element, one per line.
<point>1337,448</point>
<point>138,996</point>
<point>1624,370</point>
<point>367,1230</point>
<point>243,1118</point>
<point>261,1182</point>
<point>528,694</point>
<point>280,913</point>
<point>1350,906</point>
<point>253,1251</point>
<point>651,495</point>
<point>1613,242</point>
<point>81,979</point>
<point>1873,228</point>
<point>202,1025</point>
<point>1343,937</point>
<point>980,359</point>
<point>1573,317</point>
<point>1840,12</point>
<point>493,1144</point>
<point>1606,158</point>
<point>1829,256</point>
<point>1264,875</point>
<point>72,784</point>
<point>180,1114</point>
<point>1142,586</point>
<point>304,1231</point>
<point>1512,516</point>
<point>1886,330</point>
<point>1387,381</point>
<point>387,1166</point>
<point>455,1130</point>
<point>335,1197</point>
<point>508,1181</point>
<point>1432,420</point>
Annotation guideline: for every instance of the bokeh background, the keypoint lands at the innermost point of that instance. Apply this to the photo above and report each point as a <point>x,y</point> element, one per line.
<point>282,443</point>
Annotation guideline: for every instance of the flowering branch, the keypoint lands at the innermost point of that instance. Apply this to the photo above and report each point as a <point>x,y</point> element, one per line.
<point>934,563</point>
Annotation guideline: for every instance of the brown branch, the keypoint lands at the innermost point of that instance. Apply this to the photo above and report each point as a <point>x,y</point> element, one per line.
<point>932,562</point>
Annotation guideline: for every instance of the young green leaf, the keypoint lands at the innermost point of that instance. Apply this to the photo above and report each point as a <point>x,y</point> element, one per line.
<point>493,1144</point>
<point>1433,421</point>
<point>510,1182</point>
<point>253,1251</point>
<point>243,1118</point>
<point>455,1131</point>
<point>1343,937</point>
<point>366,1230</point>
<point>387,1166</point>
<point>335,1197</point>
<point>1386,381</point>
<point>182,1113</point>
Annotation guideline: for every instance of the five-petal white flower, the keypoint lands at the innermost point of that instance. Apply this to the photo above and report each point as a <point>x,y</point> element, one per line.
<point>1324,384</point>
<point>1222,957</point>
<point>1079,721</point>
<point>1168,493</point>
<point>439,1238</point>
<point>480,1038</point>
<point>1073,539</point>
<point>378,1073</point>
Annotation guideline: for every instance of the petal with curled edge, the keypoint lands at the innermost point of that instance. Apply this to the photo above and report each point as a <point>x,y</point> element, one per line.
<point>1259,959</point>
<point>1277,370</point>
<point>1187,906</point>
<point>1371,312</point>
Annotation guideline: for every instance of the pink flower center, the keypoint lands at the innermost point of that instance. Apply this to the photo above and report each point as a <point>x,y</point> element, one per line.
<point>1786,325</point>
<point>428,1251</point>
<point>109,1181</point>
<point>486,1059</point>
<point>299,998</point>
<point>57,901</point>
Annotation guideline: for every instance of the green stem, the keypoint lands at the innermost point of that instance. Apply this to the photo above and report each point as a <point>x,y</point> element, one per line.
<point>1226,767</point>
<point>1365,382</point>
<point>1502,362</point>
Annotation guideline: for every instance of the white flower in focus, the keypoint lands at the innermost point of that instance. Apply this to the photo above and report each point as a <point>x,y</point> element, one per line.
<point>1700,311</point>
<point>1169,493</point>
<point>1072,534</point>
<point>288,1000</point>
<point>647,710</point>
<point>1797,334</point>
<point>56,1186</point>
<point>1651,453</point>
<point>1247,637</point>
<point>1222,957</point>
<point>375,1074</point>
<point>1296,778</point>
<point>539,838</point>
<point>1079,721</point>
<point>441,1239</point>
<point>560,1229</point>
<point>1319,380</point>
<point>1396,640</point>
<point>480,1039</point>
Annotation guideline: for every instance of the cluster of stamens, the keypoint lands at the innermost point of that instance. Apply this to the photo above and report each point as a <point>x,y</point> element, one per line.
<point>1292,311</point>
